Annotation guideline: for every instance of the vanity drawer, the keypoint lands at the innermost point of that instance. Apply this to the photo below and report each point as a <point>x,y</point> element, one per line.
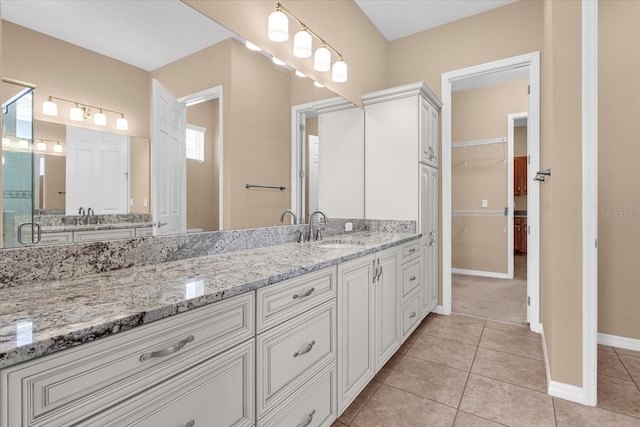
<point>410,250</point>
<point>282,301</point>
<point>56,238</point>
<point>99,235</point>
<point>144,231</point>
<point>215,393</point>
<point>315,403</point>
<point>290,354</point>
<point>411,314</point>
<point>67,386</point>
<point>410,277</point>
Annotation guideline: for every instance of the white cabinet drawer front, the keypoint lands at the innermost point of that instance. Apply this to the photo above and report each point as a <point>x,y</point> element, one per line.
<point>144,231</point>
<point>280,302</point>
<point>411,314</point>
<point>93,236</point>
<point>56,238</point>
<point>410,277</point>
<point>410,250</point>
<point>74,383</point>
<point>313,405</point>
<point>289,354</point>
<point>215,393</point>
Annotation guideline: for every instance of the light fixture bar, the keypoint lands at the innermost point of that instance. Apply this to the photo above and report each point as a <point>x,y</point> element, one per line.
<point>86,105</point>
<point>281,8</point>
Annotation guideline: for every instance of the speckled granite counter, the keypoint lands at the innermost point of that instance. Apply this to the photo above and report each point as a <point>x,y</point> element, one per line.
<point>94,227</point>
<point>44,317</point>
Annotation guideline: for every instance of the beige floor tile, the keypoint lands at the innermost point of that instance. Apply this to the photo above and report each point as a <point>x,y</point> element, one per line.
<point>454,331</point>
<point>467,420</point>
<point>460,319</point>
<point>506,403</point>
<point>569,414</point>
<point>443,351</point>
<point>384,372</point>
<point>609,364</point>
<point>618,395</point>
<point>508,342</point>
<point>510,327</point>
<point>358,403</point>
<point>337,424</point>
<point>517,370</point>
<point>390,407</point>
<point>627,352</point>
<point>433,381</point>
<point>632,364</point>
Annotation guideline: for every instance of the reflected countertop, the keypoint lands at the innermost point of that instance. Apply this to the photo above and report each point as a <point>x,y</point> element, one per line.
<point>45,317</point>
<point>94,227</point>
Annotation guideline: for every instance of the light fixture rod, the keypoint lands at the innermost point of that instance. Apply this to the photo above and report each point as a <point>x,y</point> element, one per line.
<point>85,105</point>
<point>281,8</point>
<point>46,140</point>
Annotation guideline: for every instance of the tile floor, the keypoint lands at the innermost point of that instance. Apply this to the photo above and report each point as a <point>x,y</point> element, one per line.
<point>464,371</point>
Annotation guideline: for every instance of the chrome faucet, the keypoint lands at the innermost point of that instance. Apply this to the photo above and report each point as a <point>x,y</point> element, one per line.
<point>318,236</point>
<point>81,211</point>
<point>293,215</point>
<point>89,215</point>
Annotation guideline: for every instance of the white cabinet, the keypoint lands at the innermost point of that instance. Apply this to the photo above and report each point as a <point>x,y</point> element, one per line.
<point>429,219</point>
<point>101,235</point>
<point>401,130</point>
<point>368,322</point>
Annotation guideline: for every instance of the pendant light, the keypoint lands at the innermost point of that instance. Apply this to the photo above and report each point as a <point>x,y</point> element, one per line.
<point>322,59</point>
<point>339,71</point>
<point>302,44</point>
<point>278,26</point>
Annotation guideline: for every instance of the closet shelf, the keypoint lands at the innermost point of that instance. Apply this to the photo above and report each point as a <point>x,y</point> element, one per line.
<point>479,142</point>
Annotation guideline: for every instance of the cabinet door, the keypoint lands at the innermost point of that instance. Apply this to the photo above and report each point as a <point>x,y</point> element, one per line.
<point>524,235</point>
<point>428,133</point>
<point>517,235</point>
<point>429,229</point>
<point>387,305</point>
<point>356,323</point>
<point>520,176</point>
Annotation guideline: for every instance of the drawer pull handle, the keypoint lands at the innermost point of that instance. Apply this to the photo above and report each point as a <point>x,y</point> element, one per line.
<point>168,351</point>
<point>412,278</point>
<point>308,420</point>
<point>306,350</point>
<point>191,423</point>
<point>412,250</point>
<point>412,315</point>
<point>304,294</point>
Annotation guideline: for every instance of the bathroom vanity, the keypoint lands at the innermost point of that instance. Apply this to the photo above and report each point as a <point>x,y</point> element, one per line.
<point>278,335</point>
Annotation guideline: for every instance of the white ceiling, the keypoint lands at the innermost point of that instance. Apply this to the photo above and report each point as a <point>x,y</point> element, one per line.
<point>400,18</point>
<point>151,33</point>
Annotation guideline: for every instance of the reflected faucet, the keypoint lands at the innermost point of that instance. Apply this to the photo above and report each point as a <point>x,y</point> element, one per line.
<point>318,236</point>
<point>89,215</point>
<point>81,211</point>
<point>293,215</point>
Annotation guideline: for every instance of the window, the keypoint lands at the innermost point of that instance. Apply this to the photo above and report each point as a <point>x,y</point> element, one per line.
<point>195,142</point>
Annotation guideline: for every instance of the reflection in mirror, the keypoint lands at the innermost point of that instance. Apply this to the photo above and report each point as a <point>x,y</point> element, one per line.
<point>247,129</point>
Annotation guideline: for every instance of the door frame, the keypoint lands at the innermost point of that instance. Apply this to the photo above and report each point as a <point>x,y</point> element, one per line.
<point>532,61</point>
<point>204,96</point>
<point>512,119</point>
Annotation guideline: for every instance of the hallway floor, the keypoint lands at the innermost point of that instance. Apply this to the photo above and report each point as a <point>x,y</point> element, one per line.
<point>504,300</point>
<point>465,371</point>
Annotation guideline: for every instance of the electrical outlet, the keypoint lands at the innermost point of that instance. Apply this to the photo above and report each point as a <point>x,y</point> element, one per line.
<point>485,203</point>
<point>348,226</point>
<point>130,202</point>
<point>146,203</point>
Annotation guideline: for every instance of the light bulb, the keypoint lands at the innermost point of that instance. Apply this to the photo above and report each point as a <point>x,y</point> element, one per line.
<point>278,27</point>
<point>252,46</point>
<point>277,61</point>
<point>318,84</point>
<point>122,124</point>
<point>76,114</point>
<point>339,71</point>
<point>49,108</point>
<point>322,59</point>
<point>302,44</point>
<point>100,119</point>
<point>300,74</point>
<point>41,146</point>
<point>57,148</point>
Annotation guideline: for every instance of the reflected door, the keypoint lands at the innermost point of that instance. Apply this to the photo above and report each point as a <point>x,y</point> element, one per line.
<point>17,170</point>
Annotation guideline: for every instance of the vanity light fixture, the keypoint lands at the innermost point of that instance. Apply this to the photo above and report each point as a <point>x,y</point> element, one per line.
<point>6,143</point>
<point>23,144</point>
<point>81,111</point>
<point>57,148</point>
<point>41,146</point>
<point>252,46</point>
<point>300,74</point>
<point>278,61</point>
<point>318,84</point>
<point>302,44</point>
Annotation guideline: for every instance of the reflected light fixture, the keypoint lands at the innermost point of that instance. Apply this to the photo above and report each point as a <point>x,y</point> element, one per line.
<point>23,144</point>
<point>6,143</point>
<point>318,84</point>
<point>81,111</point>
<point>57,148</point>
<point>41,146</point>
<point>277,61</point>
<point>300,74</point>
<point>303,43</point>
<point>251,46</point>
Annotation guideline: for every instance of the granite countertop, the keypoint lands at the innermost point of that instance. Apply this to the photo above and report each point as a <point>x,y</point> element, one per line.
<point>93,227</point>
<point>42,318</point>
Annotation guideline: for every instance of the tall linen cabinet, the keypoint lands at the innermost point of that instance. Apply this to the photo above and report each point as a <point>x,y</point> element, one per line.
<point>401,168</point>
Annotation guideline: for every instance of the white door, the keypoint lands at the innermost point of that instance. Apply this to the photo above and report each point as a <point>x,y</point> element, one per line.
<point>314,167</point>
<point>169,162</point>
<point>97,171</point>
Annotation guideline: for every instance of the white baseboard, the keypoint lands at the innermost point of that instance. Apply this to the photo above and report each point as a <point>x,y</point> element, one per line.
<point>438,310</point>
<point>620,342</point>
<point>480,273</point>
<point>558,389</point>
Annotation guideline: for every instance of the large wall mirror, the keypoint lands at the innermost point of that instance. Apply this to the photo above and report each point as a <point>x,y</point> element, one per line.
<point>105,56</point>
